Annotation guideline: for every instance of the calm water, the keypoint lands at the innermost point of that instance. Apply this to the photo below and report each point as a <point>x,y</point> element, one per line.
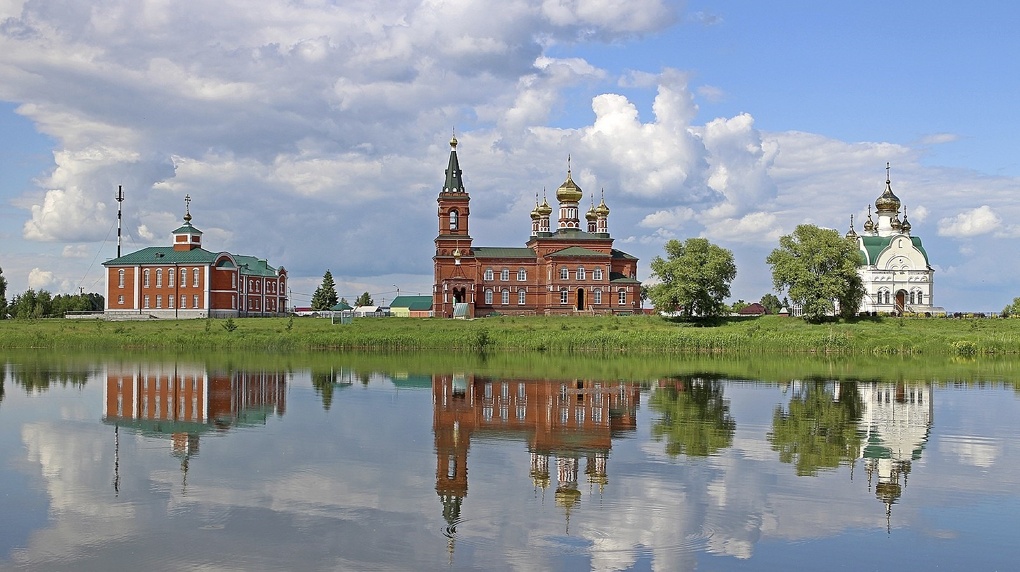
<point>171,464</point>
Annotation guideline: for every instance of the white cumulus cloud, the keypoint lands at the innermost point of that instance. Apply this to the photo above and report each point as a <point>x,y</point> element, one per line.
<point>974,222</point>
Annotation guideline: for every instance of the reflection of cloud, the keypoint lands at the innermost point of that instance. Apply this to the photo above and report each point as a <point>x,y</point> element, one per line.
<point>972,450</point>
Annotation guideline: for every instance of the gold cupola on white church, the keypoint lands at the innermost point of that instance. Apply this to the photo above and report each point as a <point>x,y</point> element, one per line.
<point>894,266</point>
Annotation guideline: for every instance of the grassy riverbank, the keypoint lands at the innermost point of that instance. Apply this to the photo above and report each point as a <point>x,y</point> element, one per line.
<point>639,335</point>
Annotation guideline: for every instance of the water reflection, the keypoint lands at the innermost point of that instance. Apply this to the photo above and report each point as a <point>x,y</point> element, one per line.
<point>182,401</point>
<point>694,416</point>
<point>561,420</point>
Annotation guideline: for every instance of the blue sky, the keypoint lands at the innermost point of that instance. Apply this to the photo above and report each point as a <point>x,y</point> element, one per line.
<point>309,132</point>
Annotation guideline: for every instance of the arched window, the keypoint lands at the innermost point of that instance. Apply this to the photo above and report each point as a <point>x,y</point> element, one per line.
<point>597,274</point>
<point>505,298</point>
<point>488,297</point>
<point>597,297</point>
<point>120,278</point>
<point>159,282</point>
<point>194,276</point>
<point>564,273</point>
<point>453,219</point>
<point>504,275</point>
<point>488,275</point>
<point>912,294</point>
<point>184,279</point>
<point>580,273</point>
<point>563,296</point>
<point>521,294</point>
<point>623,297</point>
<point>145,278</point>
<point>170,275</point>
<point>522,275</point>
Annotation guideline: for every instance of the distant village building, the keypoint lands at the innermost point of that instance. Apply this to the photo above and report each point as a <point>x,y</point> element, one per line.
<point>893,264</point>
<point>187,281</point>
<point>572,269</point>
<point>411,307</point>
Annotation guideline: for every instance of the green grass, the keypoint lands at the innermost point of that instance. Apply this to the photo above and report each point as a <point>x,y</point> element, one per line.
<point>608,336</point>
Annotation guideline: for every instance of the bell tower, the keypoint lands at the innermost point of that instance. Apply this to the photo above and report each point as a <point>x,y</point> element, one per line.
<point>454,259</point>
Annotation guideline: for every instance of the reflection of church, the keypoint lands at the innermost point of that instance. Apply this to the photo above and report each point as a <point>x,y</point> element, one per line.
<point>895,424</point>
<point>184,401</point>
<point>566,420</point>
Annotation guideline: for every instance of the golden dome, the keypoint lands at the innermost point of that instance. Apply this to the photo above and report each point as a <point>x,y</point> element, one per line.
<point>590,215</point>
<point>569,192</point>
<point>869,225</point>
<point>544,209</point>
<point>888,202</point>
<point>602,209</point>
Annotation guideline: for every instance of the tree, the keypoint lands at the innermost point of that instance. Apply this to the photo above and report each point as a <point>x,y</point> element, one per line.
<point>1012,310</point>
<point>771,303</point>
<point>694,417</point>
<point>694,278</point>
<point>3,295</point>
<point>364,300</point>
<point>818,269</point>
<point>324,296</point>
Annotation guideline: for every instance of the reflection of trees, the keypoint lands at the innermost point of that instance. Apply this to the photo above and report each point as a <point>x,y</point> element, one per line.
<point>695,418</point>
<point>324,382</point>
<point>38,377</point>
<point>819,430</point>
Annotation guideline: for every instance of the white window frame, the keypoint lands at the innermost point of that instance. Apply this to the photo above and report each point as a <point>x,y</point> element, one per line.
<point>597,297</point>
<point>504,275</point>
<point>564,299</point>
<point>145,279</point>
<point>505,297</point>
<point>194,277</point>
<point>145,301</point>
<point>159,280</point>
<point>596,274</point>
<point>622,297</point>
<point>564,273</point>
<point>488,296</point>
<point>454,216</point>
<point>521,297</point>
<point>120,278</point>
<point>488,275</point>
<point>580,273</point>
<point>522,275</point>
<point>170,275</point>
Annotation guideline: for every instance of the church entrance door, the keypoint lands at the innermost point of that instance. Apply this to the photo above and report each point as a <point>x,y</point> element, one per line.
<point>580,299</point>
<point>901,300</point>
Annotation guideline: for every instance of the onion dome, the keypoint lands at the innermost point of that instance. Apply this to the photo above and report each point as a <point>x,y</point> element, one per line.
<point>869,225</point>
<point>591,214</point>
<point>851,233</point>
<point>536,212</point>
<point>569,192</point>
<point>544,209</point>
<point>602,209</point>
<point>895,223</point>
<point>888,202</point>
<point>905,225</point>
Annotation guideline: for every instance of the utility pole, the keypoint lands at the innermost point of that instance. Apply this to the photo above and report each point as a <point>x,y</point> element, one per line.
<point>120,200</point>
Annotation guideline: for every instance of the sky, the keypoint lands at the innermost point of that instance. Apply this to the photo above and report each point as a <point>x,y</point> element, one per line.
<point>315,133</point>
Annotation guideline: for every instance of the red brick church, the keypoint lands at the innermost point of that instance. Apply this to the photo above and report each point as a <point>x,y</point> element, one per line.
<point>572,269</point>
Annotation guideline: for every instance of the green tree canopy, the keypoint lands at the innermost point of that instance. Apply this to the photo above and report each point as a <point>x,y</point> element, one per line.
<point>3,295</point>
<point>694,278</point>
<point>364,300</point>
<point>324,296</point>
<point>1012,310</point>
<point>818,269</point>
<point>771,303</point>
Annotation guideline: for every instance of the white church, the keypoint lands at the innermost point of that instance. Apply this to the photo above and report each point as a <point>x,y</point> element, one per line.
<point>894,266</point>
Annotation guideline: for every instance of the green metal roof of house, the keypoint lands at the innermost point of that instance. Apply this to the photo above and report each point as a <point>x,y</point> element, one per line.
<point>186,228</point>
<point>252,266</point>
<point>415,303</point>
<point>874,245</point>
<point>164,255</point>
<point>617,278</point>
<point>503,252</point>
<point>577,251</point>
<point>570,234</point>
<point>622,254</point>
<point>341,306</point>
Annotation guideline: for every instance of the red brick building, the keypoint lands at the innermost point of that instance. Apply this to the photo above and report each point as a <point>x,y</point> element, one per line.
<point>573,269</point>
<point>185,280</point>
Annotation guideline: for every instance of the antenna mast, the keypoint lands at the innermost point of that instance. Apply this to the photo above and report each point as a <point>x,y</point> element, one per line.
<point>120,200</point>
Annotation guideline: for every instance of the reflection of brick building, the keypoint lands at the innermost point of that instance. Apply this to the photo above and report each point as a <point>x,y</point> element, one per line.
<point>569,420</point>
<point>565,267</point>
<point>184,401</point>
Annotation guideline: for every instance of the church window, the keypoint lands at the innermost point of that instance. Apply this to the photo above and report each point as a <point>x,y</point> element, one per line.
<point>453,219</point>
<point>597,274</point>
<point>521,294</point>
<point>488,275</point>
<point>170,278</point>
<point>504,275</point>
<point>233,280</point>
<point>194,301</point>
<point>505,297</point>
<point>145,278</point>
<point>145,301</point>
<point>159,280</point>
<point>580,273</point>
<point>120,278</point>
<point>120,299</point>
<point>564,273</point>
<point>563,296</point>
<point>170,299</point>
<point>488,297</point>
<point>194,276</point>
<point>522,275</point>
<point>184,301</point>
<point>184,277</point>
<point>623,297</point>
<point>159,301</point>
<point>912,294</point>
<point>597,297</point>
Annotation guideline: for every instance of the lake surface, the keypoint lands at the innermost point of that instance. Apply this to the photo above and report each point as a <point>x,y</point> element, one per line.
<point>257,463</point>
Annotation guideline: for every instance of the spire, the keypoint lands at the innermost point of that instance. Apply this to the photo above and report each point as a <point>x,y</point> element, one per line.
<point>187,209</point>
<point>454,182</point>
<point>888,203</point>
<point>851,233</point>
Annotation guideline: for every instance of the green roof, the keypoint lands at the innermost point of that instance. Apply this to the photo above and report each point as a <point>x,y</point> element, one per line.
<point>252,266</point>
<point>503,252</point>
<point>617,278</point>
<point>186,229</point>
<point>341,306</point>
<point>622,254</point>
<point>164,255</point>
<point>416,303</point>
<point>874,245</point>
<point>577,251</point>
<point>571,234</point>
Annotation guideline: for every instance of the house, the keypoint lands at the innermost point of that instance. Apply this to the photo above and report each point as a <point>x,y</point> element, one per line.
<point>184,280</point>
<point>411,307</point>
<point>753,309</point>
<point>572,269</point>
